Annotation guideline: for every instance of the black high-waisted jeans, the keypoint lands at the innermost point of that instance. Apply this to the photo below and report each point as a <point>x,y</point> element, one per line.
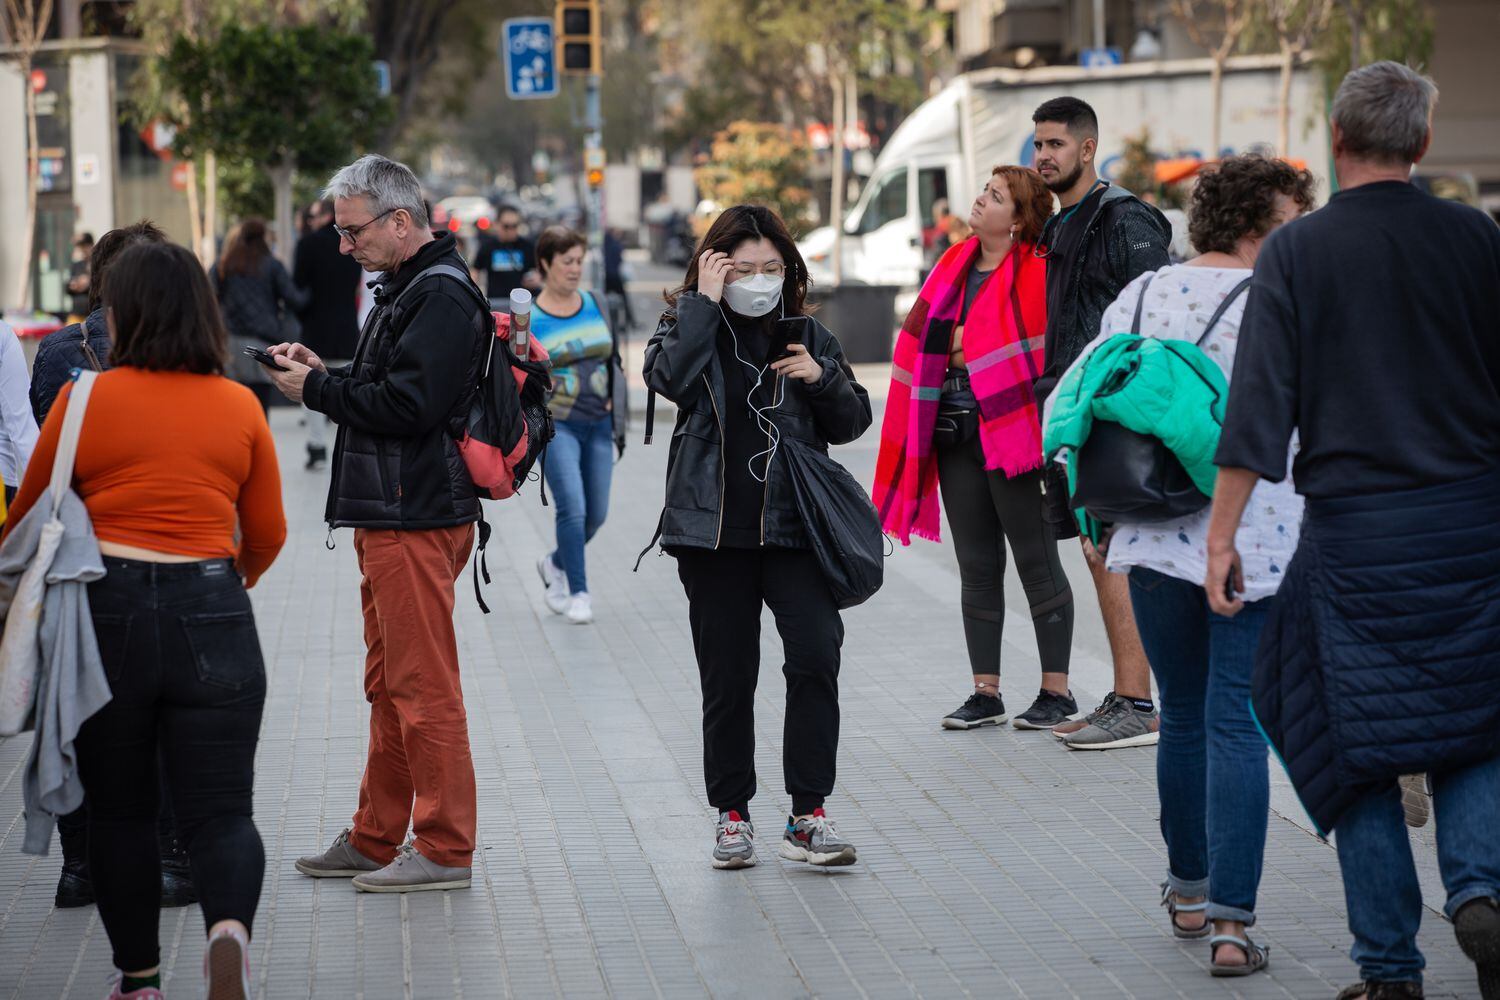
<point>180,649</point>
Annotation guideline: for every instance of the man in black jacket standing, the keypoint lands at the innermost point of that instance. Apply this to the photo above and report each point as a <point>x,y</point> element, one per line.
<point>1099,241</point>
<point>400,482</point>
<point>330,323</point>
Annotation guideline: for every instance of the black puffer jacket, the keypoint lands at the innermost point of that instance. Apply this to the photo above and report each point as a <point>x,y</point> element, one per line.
<point>682,364</point>
<point>1124,238</point>
<point>82,345</point>
<point>401,402</point>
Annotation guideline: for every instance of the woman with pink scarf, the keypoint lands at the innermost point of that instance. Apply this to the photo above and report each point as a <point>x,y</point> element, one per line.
<point>962,422</point>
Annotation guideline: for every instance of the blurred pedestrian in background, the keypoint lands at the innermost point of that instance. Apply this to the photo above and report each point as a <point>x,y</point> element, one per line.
<point>259,301</point>
<point>962,422</point>
<point>330,323</point>
<point>78,277</point>
<point>1211,773</point>
<point>506,259</point>
<point>746,366</point>
<point>188,514</point>
<point>580,459</point>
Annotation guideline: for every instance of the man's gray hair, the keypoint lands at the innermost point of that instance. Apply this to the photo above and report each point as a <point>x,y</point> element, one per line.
<point>1384,111</point>
<point>384,184</point>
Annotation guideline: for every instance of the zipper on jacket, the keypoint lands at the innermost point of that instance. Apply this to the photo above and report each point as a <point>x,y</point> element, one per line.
<point>719,534</point>
<point>765,494</point>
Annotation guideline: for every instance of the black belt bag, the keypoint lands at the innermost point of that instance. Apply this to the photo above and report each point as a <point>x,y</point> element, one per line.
<point>958,413</point>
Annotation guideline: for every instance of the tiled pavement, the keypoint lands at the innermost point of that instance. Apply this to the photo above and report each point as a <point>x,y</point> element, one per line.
<point>993,864</point>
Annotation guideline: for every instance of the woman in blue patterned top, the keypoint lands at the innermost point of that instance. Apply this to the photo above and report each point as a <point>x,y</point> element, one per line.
<point>580,459</point>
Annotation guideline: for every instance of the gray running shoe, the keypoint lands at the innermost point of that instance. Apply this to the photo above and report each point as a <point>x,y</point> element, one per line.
<point>411,872</point>
<point>815,841</point>
<point>1065,729</point>
<point>340,861</point>
<point>734,841</point>
<point>1121,725</point>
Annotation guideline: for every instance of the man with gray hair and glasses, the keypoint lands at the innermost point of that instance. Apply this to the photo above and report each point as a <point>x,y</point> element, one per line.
<point>399,482</point>
<point>1373,329</point>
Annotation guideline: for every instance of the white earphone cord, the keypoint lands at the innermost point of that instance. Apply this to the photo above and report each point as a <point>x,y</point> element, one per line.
<point>761,413</point>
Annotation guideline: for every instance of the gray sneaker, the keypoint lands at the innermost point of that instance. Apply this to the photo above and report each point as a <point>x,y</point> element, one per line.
<point>734,841</point>
<point>411,872</point>
<point>339,861</point>
<point>1120,725</point>
<point>816,841</point>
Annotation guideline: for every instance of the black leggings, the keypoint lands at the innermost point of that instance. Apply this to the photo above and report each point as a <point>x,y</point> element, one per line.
<point>180,650</point>
<point>985,510</point>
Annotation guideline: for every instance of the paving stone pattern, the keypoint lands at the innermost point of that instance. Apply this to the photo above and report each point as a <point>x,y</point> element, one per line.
<point>993,864</point>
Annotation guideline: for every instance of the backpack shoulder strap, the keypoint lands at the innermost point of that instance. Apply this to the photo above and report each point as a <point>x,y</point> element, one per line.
<point>1213,320</point>
<point>446,270</point>
<point>1140,303</point>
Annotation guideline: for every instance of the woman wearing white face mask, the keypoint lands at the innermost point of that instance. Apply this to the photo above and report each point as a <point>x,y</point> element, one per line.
<point>747,368</point>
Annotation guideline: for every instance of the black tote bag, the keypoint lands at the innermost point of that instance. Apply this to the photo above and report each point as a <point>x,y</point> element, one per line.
<point>840,522</point>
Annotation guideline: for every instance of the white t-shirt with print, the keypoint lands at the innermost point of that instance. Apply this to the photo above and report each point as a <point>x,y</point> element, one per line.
<point>1178,306</point>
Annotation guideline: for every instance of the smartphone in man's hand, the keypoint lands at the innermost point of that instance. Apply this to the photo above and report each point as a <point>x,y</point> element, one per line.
<point>265,357</point>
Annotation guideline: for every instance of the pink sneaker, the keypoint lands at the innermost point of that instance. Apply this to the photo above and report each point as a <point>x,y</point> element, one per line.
<point>144,993</point>
<point>226,966</point>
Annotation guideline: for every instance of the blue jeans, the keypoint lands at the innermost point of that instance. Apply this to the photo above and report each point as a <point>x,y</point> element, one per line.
<point>1211,771</point>
<point>1380,881</point>
<point>580,461</point>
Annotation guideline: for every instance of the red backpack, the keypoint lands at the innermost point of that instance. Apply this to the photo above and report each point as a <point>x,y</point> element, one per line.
<point>509,426</point>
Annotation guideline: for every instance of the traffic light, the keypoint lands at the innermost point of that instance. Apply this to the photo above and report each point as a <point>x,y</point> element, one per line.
<point>578,37</point>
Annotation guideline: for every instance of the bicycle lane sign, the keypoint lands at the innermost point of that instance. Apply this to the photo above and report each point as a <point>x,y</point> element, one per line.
<point>530,68</point>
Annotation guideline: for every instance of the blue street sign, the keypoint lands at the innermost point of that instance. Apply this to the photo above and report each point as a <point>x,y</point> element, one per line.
<point>530,69</point>
<point>1098,58</point>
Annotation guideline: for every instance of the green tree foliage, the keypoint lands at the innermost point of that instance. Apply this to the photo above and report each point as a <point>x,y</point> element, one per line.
<point>283,98</point>
<point>1366,31</point>
<point>760,163</point>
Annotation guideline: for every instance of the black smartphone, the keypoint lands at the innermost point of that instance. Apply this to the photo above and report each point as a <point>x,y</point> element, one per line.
<point>784,333</point>
<point>265,357</point>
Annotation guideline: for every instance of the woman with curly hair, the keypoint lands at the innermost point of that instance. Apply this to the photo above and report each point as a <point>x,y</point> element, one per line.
<point>1211,762</point>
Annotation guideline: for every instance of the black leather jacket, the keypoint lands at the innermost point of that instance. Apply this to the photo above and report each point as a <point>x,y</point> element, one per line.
<point>1124,238</point>
<point>682,364</point>
<point>399,405</point>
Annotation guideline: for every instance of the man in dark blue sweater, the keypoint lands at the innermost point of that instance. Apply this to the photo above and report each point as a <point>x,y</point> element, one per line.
<point>1373,329</point>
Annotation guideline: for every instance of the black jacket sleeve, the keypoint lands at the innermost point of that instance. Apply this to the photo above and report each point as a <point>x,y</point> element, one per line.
<point>840,405</point>
<point>1138,238</point>
<point>427,371</point>
<point>679,352</point>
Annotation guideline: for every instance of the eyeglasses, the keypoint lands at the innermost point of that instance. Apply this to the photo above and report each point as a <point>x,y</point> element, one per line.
<point>773,268</point>
<point>352,233</point>
<point>509,225</point>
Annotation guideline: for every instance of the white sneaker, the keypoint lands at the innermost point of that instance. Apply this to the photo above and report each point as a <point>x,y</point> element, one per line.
<point>580,610</point>
<point>556,582</point>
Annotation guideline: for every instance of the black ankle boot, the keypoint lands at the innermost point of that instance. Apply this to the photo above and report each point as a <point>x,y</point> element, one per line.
<point>74,887</point>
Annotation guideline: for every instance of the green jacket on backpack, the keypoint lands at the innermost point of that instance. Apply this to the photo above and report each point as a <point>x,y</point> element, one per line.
<point>1168,389</point>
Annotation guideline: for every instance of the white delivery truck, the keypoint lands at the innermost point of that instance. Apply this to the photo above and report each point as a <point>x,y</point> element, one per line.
<point>947,147</point>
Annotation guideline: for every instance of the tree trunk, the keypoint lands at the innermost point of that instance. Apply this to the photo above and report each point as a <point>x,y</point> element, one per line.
<point>195,213</point>
<point>281,182</point>
<point>210,250</point>
<point>1356,33</point>
<point>28,231</point>
<point>1284,101</point>
<point>1216,102</point>
<point>836,150</point>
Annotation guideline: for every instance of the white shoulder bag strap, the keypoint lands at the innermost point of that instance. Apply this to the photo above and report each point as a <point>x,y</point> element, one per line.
<point>67,441</point>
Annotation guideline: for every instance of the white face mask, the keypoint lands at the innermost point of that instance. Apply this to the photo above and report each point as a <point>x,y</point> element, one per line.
<point>755,295</point>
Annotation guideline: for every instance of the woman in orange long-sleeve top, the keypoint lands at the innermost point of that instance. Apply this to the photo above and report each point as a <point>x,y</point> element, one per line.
<point>177,468</point>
